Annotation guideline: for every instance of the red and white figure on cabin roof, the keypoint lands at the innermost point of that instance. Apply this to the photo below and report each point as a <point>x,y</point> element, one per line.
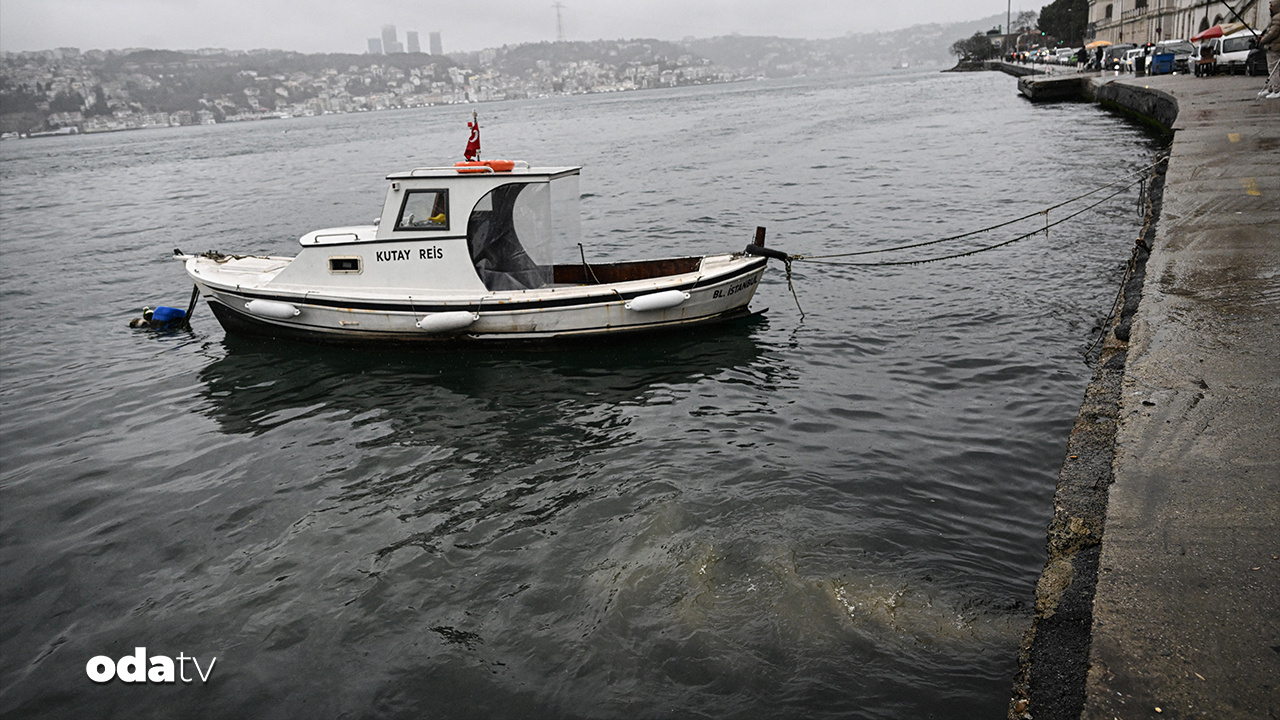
<point>472,152</point>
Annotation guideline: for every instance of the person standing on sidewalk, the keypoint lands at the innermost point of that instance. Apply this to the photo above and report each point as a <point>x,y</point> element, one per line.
<point>1271,41</point>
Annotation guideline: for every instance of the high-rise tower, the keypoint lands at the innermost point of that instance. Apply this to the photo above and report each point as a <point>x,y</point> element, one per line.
<point>389,43</point>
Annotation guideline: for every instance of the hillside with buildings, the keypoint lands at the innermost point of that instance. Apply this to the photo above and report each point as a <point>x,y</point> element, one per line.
<point>69,91</point>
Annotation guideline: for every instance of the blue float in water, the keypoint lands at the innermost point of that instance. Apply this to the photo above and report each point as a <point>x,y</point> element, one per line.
<point>167,316</point>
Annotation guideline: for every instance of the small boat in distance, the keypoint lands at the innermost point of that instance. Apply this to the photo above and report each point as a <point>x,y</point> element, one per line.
<point>464,252</point>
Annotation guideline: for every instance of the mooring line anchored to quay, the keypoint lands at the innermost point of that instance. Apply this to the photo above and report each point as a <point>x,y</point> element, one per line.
<point>1141,174</point>
<point>1140,245</point>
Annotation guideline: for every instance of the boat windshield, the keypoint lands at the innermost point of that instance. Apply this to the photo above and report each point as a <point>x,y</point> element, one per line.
<point>514,230</point>
<point>509,237</point>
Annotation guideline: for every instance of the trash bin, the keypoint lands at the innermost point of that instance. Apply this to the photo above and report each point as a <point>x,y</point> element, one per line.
<point>1162,64</point>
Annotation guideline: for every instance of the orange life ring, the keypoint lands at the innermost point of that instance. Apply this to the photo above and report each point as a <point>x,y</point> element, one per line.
<point>478,166</point>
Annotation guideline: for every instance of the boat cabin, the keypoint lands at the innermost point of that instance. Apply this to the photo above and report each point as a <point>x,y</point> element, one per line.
<point>466,229</point>
<point>463,227</point>
<point>511,221</point>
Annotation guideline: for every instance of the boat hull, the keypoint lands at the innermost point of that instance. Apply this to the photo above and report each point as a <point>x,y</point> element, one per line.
<point>243,324</point>
<point>550,314</point>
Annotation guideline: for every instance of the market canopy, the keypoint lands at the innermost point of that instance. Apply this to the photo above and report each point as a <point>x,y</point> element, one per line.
<point>1218,31</point>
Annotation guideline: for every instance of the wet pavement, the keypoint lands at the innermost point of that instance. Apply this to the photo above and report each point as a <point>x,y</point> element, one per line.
<point>1186,616</point>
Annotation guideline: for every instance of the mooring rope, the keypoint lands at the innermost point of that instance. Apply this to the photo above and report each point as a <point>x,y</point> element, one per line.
<point>191,307</point>
<point>1140,245</point>
<point>1024,236</point>
<point>1141,173</point>
<point>791,286</point>
<point>1142,177</point>
<point>1115,304</point>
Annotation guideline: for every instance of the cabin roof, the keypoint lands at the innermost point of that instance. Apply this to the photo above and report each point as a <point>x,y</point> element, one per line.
<point>452,172</point>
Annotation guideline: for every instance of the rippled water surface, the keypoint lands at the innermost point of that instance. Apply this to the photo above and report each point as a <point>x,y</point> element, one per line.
<point>840,516</point>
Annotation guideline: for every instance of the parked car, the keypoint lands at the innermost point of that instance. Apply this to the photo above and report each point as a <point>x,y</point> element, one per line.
<point>1130,58</point>
<point>1182,50</point>
<point>1113,57</point>
<point>1065,56</point>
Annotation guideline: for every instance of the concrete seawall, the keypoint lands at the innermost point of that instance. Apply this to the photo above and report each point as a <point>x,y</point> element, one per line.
<point>1148,103</point>
<point>1134,97</point>
<point>1161,594</point>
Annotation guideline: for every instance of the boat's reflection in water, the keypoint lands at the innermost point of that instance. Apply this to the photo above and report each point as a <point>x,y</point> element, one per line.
<point>260,383</point>
<point>540,526</point>
<point>465,445</point>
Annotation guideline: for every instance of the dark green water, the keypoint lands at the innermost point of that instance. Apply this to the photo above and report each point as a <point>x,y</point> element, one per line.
<point>837,517</point>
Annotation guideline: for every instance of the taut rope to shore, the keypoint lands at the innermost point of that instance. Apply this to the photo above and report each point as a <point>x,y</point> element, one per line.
<point>1141,178</point>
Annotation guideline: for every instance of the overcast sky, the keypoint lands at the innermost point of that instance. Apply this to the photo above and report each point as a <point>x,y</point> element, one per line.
<point>345,25</point>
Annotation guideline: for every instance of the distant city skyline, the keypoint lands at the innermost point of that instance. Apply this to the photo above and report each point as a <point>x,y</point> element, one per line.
<point>389,44</point>
<point>475,25</point>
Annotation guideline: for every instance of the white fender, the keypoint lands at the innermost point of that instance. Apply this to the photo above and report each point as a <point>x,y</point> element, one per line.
<point>447,321</point>
<point>272,309</point>
<point>658,301</point>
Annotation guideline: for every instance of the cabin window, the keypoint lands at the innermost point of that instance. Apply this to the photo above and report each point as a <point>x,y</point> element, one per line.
<point>349,265</point>
<point>424,210</point>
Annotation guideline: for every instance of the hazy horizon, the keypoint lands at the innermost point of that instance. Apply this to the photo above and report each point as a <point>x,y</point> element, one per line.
<point>29,25</point>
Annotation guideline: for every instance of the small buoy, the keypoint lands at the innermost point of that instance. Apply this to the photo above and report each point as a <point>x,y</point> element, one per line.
<point>658,301</point>
<point>272,309</point>
<point>161,318</point>
<point>167,315</point>
<point>447,321</point>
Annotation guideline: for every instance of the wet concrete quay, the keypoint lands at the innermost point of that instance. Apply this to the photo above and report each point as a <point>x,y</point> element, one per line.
<point>1161,595</point>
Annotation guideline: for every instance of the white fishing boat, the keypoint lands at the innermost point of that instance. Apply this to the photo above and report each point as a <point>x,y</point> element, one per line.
<point>464,252</point>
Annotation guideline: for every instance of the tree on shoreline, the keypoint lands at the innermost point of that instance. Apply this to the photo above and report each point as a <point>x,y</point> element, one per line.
<point>1065,20</point>
<point>974,49</point>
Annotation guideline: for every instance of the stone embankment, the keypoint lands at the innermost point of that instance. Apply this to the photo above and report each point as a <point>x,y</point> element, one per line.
<point>1161,594</point>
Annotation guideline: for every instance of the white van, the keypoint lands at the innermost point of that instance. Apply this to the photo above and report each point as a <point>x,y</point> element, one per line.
<point>1231,51</point>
